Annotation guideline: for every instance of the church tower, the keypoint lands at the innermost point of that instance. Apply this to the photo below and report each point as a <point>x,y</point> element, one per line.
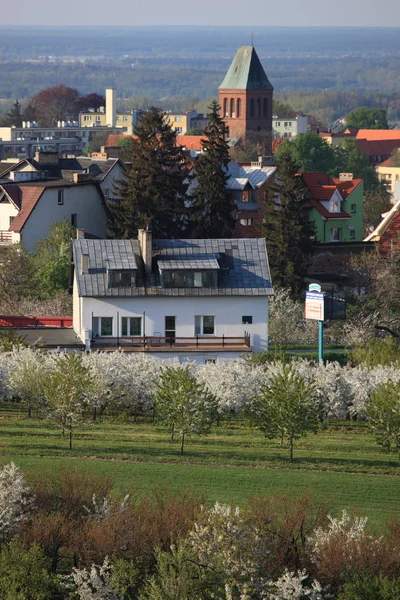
<point>245,95</point>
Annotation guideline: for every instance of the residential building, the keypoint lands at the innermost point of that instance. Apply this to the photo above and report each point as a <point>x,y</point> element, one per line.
<point>245,95</point>
<point>34,194</point>
<point>289,127</point>
<point>199,121</point>
<point>44,138</point>
<point>336,206</point>
<point>378,144</point>
<point>108,116</point>
<point>378,135</point>
<point>197,300</point>
<point>388,173</point>
<point>28,148</point>
<point>387,234</point>
<point>28,210</point>
<point>334,138</point>
<point>377,150</point>
<point>181,122</point>
<point>247,183</point>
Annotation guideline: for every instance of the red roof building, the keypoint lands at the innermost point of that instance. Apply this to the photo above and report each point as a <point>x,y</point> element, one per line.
<point>387,234</point>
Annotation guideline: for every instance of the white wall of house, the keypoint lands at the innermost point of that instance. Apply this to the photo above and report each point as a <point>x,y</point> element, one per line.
<point>109,181</point>
<point>228,313</point>
<point>7,210</point>
<point>83,200</point>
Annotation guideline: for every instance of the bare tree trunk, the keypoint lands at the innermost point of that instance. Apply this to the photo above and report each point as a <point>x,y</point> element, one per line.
<point>172,432</point>
<point>182,442</point>
<point>70,437</point>
<point>94,414</point>
<point>291,448</point>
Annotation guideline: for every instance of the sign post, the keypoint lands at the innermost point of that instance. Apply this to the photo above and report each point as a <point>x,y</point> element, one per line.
<point>320,341</point>
<point>314,309</point>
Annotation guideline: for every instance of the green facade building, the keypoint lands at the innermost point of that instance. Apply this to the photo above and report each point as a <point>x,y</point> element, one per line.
<point>336,206</point>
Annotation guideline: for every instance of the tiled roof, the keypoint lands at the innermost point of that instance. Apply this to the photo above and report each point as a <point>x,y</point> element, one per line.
<point>387,233</point>
<point>244,269</point>
<point>389,245</point>
<point>246,72</point>
<point>240,176</point>
<point>378,147</point>
<point>322,187</point>
<point>326,213</point>
<point>346,187</point>
<point>378,134</point>
<point>30,195</point>
<point>389,163</point>
<point>191,142</point>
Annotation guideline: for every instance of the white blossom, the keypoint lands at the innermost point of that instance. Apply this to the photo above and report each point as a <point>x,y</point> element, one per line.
<point>291,586</point>
<point>92,584</point>
<point>16,500</point>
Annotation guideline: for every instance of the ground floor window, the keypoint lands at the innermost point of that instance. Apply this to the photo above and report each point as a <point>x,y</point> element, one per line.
<point>102,326</point>
<point>204,325</point>
<point>131,326</point>
<point>336,234</point>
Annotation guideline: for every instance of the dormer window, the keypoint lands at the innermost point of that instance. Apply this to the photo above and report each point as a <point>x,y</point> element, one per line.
<point>123,278</point>
<point>121,271</point>
<point>334,205</point>
<point>193,272</point>
<point>189,279</point>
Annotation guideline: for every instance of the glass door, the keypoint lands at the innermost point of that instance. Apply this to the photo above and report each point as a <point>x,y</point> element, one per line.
<point>170,329</point>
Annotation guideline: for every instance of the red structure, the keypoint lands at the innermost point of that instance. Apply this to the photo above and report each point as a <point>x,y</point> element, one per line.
<point>245,95</point>
<point>20,322</point>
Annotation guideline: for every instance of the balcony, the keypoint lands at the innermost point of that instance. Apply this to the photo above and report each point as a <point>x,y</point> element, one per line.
<point>173,344</point>
<point>6,238</point>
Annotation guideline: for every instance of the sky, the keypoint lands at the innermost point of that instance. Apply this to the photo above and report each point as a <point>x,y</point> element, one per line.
<point>359,13</point>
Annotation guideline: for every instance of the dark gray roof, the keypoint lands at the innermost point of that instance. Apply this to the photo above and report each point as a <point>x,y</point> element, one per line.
<point>50,337</point>
<point>66,168</point>
<point>244,269</point>
<point>191,263</point>
<point>97,167</point>
<point>246,72</point>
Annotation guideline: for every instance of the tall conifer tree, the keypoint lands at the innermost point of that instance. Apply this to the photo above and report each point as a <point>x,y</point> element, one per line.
<point>154,191</point>
<point>14,116</point>
<point>288,231</point>
<point>212,207</point>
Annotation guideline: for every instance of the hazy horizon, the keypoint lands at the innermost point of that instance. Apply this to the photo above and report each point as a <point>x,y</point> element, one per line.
<point>130,13</point>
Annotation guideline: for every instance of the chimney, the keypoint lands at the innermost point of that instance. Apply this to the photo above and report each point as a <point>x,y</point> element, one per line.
<point>85,264</point>
<point>346,176</point>
<point>111,107</point>
<point>46,157</point>
<point>146,248</point>
<point>80,233</point>
<point>81,177</point>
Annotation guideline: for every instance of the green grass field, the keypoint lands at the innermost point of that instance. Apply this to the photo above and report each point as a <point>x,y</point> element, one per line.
<point>341,465</point>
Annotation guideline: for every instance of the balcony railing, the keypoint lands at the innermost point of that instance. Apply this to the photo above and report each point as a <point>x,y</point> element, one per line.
<point>5,237</point>
<point>171,343</point>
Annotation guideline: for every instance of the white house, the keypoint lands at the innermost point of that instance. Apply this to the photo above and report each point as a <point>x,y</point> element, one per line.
<point>34,194</point>
<point>192,299</point>
<point>289,127</point>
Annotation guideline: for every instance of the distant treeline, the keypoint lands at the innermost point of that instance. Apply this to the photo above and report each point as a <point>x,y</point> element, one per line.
<point>327,89</point>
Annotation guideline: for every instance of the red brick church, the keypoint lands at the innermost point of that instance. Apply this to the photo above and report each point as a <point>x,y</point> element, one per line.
<point>245,95</point>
